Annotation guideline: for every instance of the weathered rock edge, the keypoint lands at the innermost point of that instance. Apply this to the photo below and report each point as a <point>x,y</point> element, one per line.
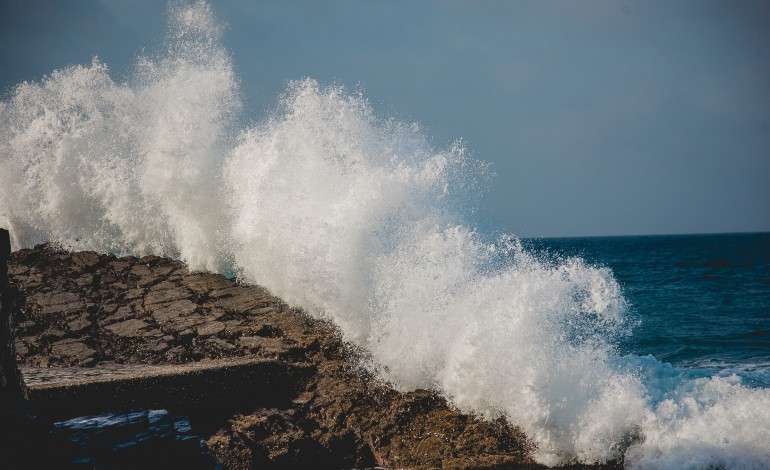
<point>90,310</point>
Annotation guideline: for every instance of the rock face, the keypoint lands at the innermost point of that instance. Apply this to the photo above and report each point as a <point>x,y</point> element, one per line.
<point>10,385</point>
<point>86,310</point>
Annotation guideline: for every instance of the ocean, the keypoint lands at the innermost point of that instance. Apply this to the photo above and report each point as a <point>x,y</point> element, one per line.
<point>651,349</point>
<point>700,302</point>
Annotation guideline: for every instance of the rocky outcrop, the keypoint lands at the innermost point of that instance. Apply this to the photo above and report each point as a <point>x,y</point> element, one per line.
<point>10,385</point>
<point>87,310</point>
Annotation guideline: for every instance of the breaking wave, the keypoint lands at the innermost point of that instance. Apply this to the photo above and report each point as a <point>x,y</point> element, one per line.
<point>360,219</point>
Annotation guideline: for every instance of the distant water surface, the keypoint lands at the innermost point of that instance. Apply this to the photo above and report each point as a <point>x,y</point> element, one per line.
<point>701,301</point>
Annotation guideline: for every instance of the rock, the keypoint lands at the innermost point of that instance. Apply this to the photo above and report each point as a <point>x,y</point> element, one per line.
<point>264,310</point>
<point>72,350</point>
<point>85,280</point>
<point>120,314</point>
<point>226,292</point>
<point>202,283</point>
<point>159,347</point>
<point>220,344</point>
<point>163,296</point>
<point>85,259</point>
<point>217,313</point>
<point>133,294</point>
<point>141,270</point>
<point>128,329</point>
<point>164,313</point>
<point>60,302</point>
<point>242,302</point>
<point>176,354</point>
<point>78,324</point>
<point>180,324</point>
<point>210,328</point>
<point>272,346</point>
<point>21,348</point>
<point>337,414</point>
<point>304,398</point>
<point>120,265</point>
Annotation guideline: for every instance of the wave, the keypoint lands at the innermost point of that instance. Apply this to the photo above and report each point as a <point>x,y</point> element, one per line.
<point>359,219</point>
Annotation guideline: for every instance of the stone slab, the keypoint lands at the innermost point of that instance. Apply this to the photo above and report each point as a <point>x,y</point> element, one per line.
<point>186,388</point>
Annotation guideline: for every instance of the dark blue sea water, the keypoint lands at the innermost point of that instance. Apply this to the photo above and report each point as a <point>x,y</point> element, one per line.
<point>131,439</point>
<point>698,301</point>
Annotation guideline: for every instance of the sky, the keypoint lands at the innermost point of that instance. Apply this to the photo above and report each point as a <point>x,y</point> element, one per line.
<point>598,117</point>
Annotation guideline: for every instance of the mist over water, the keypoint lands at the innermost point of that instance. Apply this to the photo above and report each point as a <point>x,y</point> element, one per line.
<point>360,219</point>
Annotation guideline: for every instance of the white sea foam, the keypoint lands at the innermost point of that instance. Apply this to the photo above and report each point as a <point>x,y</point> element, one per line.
<point>91,163</point>
<point>359,219</point>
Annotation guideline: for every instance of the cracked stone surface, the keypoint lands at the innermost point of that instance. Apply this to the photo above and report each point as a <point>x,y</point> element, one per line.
<point>85,309</point>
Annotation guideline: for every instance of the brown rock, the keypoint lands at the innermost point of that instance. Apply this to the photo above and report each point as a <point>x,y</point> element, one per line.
<point>129,328</point>
<point>72,349</point>
<point>85,259</point>
<point>59,302</point>
<point>164,313</point>
<point>78,324</point>
<point>266,345</point>
<point>202,283</point>
<point>334,415</point>
<point>220,344</point>
<point>181,324</point>
<point>133,294</point>
<point>226,292</point>
<point>141,270</point>
<point>210,328</point>
<point>120,265</point>
<point>120,314</point>
<point>163,296</point>
<point>242,302</point>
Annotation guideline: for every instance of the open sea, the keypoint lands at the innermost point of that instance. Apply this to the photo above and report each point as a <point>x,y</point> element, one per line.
<point>652,349</point>
<point>700,302</point>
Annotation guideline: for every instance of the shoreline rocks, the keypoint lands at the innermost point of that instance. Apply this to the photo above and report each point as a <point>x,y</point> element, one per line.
<point>90,310</point>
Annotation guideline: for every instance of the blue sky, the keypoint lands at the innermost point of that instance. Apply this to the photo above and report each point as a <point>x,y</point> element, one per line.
<point>600,118</point>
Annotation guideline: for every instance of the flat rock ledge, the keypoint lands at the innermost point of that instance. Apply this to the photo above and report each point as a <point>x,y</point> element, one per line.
<point>85,311</point>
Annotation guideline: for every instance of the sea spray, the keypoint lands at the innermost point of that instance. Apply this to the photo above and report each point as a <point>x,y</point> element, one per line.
<point>322,188</point>
<point>359,219</point>
<point>125,167</point>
